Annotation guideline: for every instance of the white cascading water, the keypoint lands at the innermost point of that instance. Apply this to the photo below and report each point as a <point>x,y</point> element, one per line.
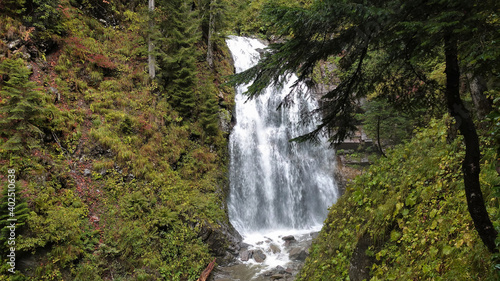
<point>276,187</point>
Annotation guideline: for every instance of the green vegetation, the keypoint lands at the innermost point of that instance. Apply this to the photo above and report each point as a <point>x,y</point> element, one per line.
<point>24,111</point>
<point>410,213</point>
<point>119,174</point>
<point>389,58</point>
<point>390,49</point>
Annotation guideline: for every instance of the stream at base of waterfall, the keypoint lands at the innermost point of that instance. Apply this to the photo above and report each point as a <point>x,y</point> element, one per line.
<point>280,191</point>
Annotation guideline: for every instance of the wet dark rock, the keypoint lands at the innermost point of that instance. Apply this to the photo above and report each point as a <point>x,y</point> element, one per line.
<point>289,240</point>
<point>361,263</point>
<point>298,254</point>
<point>259,256</point>
<point>279,269</point>
<point>244,245</point>
<point>261,51</point>
<point>222,240</point>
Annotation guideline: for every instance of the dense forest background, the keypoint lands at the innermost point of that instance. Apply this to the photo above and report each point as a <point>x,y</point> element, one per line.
<point>121,176</point>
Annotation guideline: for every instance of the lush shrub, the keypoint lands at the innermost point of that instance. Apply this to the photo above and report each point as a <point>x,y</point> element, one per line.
<point>411,208</point>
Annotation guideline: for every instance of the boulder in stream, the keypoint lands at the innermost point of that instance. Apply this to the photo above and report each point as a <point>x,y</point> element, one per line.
<point>298,254</point>
<point>289,240</point>
<point>274,248</point>
<point>259,256</point>
<point>245,255</point>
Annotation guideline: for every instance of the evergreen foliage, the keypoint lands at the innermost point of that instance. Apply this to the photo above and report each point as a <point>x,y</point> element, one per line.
<point>124,180</point>
<point>23,111</point>
<point>384,124</point>
<point>385,47</point>
<point>209,115</point>
<point>178,55</point>
<point>45,16</point>
<point>130,171</point>
<point>14,7</point>
<point>401,39</point>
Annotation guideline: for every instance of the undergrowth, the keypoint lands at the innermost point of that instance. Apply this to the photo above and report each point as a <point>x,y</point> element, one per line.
<point>117,183</point>
<point>411,210</point>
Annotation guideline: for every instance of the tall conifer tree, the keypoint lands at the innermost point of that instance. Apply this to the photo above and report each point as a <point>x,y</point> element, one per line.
<point>177,59</point>
<point>22,109</point>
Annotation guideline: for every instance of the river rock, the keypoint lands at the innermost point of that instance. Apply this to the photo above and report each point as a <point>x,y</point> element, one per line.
<point>274,248</point>
<point>244,245</point>
<point>289,240</point>
<point>277,270</point>
<point>245,255</point>
<point>259,256</point>
<point>277,276</point>
<point>298,254</point>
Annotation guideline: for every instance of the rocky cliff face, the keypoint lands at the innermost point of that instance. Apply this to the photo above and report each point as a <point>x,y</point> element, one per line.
<point>223,241</point>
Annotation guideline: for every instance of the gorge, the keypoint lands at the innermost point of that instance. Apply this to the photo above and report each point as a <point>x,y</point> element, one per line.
<point>277,188</point>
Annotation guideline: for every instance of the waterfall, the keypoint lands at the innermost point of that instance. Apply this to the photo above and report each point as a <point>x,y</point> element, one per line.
<point>275,184</point>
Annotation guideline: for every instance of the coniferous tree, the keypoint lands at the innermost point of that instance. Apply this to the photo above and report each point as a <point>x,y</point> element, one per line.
<point>22,108</point>
<point>410,33</point>
<point>45,16</point>
<point>209,116</point>
<point>178,54</point>
<point>14,7</point>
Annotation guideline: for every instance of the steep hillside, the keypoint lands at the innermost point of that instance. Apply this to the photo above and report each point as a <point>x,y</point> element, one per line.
<point>119,184</point>
<point>406,218</point>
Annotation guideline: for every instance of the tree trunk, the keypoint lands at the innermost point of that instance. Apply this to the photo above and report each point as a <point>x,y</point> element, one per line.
<point>211,28</point>
<point>470,165</point>
<point>151,58</point>
<point>477,87</point>
<point>378,138</point>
